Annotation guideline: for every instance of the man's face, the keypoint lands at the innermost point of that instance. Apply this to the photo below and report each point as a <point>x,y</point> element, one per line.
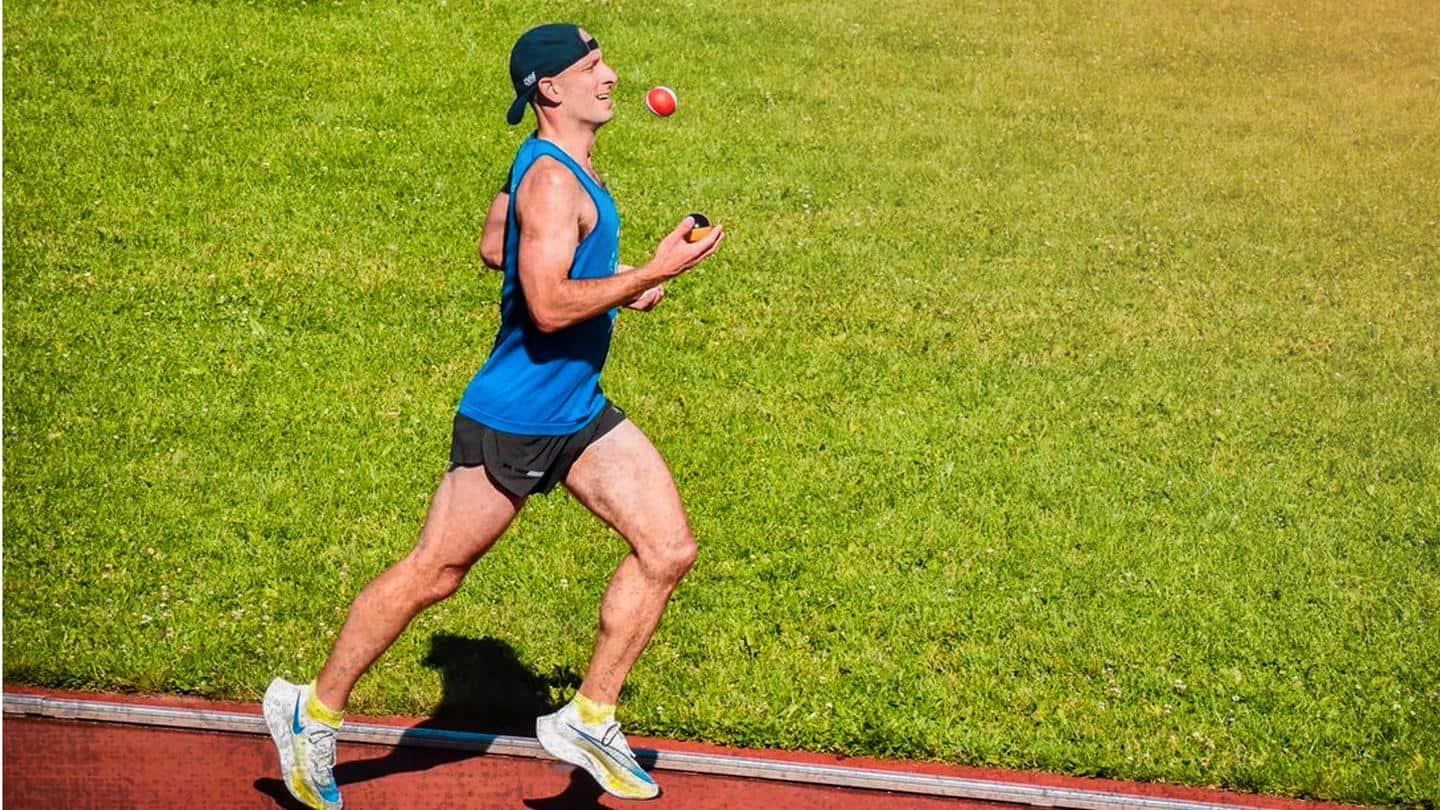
<point>585,87</point>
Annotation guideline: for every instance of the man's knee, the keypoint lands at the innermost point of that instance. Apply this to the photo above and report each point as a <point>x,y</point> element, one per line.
<point>447,581</point>
<point>672,559</point>
<point>430,584</point>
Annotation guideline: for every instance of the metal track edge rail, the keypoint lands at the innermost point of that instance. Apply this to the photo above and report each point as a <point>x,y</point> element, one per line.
<point>713,764</point>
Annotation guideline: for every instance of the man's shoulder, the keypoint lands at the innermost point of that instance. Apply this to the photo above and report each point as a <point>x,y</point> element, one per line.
<point>548,182</point>
<point>547,174</point>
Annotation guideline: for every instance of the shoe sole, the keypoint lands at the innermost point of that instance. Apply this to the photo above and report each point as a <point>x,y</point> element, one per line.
<point>554,742</point>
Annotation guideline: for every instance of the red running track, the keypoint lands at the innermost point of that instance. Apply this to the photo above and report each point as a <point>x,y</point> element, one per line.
<point>51,763</point>
<point>55,764</point>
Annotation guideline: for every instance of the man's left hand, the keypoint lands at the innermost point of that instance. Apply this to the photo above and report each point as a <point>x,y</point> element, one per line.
<point>647,300</point>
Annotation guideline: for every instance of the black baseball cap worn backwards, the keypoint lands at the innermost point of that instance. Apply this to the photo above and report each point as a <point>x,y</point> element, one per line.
<point>541,53</point>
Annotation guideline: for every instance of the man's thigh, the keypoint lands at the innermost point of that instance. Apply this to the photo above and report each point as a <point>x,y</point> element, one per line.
<point>467,515</point>
<point>625,482</point>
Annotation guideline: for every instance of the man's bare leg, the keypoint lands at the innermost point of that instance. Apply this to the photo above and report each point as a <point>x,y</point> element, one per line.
<point>625,482</point>
<point>467,515</point>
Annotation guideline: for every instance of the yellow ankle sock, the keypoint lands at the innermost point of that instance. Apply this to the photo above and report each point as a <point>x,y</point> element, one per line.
<point>591,712</point>
<point>319,711</point>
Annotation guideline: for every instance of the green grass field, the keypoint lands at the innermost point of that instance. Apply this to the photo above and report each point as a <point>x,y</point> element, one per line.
<point>1066,395</point>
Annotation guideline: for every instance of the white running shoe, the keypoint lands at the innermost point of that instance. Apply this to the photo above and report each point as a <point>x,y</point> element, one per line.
<point>600,749</point>
<point>306,746</point>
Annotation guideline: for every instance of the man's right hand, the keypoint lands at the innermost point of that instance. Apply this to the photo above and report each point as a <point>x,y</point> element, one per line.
<point>675,255</point>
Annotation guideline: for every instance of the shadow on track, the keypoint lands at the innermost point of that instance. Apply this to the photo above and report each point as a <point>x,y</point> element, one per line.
<point>484,689</point>
<point>581,794</point>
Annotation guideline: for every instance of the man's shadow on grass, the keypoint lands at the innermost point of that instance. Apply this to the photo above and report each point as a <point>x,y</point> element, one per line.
<point>484,689</point>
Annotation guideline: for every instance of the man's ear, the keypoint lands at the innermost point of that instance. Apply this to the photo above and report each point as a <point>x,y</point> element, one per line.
<point>548,90</point>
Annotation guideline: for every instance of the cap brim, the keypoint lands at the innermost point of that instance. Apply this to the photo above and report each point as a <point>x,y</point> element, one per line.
<point>517,109</point>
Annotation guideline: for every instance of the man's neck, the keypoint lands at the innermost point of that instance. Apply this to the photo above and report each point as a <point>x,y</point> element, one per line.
<point>574,138</point>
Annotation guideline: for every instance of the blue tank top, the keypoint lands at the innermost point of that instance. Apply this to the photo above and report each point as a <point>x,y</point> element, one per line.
<point>534,383</point>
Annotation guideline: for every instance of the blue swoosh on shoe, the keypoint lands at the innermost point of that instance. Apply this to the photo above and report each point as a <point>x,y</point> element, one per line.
<point>295,724</point>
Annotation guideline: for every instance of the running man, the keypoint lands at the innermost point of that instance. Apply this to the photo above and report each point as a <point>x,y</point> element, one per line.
<point>534,417</point>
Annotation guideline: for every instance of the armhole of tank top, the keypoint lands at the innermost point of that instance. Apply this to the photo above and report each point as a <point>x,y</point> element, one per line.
<point>546,149</point>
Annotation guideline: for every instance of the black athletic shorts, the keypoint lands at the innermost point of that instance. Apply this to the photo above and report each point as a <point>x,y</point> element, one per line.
<point>525,465</point>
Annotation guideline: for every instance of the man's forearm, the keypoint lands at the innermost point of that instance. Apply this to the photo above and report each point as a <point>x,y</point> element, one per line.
<point>576,300</point>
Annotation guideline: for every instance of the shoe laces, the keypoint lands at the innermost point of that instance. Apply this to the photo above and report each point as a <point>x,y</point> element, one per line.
<point>322,751</point>
<point>611,736</point>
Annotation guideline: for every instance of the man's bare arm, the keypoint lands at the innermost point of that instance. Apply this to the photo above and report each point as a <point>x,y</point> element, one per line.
<point>548,206</point>
<point>645,301</point>
<point>492,238</point>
